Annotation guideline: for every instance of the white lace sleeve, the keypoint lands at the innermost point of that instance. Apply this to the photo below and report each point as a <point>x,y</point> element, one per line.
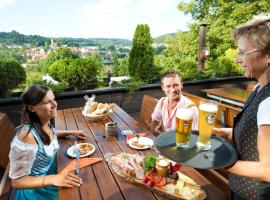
<point>21,157</point>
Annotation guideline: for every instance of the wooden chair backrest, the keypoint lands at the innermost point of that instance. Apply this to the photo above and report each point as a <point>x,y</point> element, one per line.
<point>6,135</point>
<point>147,108</point>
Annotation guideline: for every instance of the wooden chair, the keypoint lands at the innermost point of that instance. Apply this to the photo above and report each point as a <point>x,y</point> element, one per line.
<point>147,108</point>
<point>6,135</point>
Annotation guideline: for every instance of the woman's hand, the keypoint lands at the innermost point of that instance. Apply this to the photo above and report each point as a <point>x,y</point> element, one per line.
<point>79,134</point>
<point>66,180</point>
<point>225,133</point>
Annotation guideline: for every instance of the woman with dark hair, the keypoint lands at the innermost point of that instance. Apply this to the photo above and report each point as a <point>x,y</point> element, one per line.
<point>33,149</point>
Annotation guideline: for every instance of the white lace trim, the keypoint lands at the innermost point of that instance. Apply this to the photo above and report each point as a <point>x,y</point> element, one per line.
<point>22,156</point>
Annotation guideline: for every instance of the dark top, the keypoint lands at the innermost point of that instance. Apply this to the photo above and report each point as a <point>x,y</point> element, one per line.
<point>245,133</point>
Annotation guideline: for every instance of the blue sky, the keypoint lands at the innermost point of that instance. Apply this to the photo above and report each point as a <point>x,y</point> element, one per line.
<point>91,18</point>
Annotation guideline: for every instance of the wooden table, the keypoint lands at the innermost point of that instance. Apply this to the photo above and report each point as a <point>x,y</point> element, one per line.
<point>235,96</point>
<point>99,182</point>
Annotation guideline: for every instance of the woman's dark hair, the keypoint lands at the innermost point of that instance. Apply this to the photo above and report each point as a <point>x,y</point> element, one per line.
<point>32,96</point>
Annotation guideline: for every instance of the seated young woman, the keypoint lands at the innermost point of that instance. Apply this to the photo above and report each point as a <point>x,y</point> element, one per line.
<point>33,168</point>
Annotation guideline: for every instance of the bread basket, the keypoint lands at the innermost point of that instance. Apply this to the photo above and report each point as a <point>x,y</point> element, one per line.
<point>92,117</point>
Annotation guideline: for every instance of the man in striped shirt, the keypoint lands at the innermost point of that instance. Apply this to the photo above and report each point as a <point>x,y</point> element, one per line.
<point>164,115</point>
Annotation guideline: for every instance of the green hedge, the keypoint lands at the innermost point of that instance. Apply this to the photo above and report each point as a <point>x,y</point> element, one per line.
<point>11,75</point>
<point>78,73</point>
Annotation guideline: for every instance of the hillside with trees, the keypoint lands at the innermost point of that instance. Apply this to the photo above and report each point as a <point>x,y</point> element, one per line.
<point>14,37</point>
<point>162,38</point>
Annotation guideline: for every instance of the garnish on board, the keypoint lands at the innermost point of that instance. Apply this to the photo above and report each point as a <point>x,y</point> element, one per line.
<point>149,163</point>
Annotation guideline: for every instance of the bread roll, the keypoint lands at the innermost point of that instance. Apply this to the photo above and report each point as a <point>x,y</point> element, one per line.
<point>93,106</point>
<point>101,106</point>
<point>110,106</point>
<point>97,112</point>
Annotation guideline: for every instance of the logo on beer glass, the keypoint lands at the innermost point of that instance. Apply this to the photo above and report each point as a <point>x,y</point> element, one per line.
<point>210,119</point>
<point>186,124</point>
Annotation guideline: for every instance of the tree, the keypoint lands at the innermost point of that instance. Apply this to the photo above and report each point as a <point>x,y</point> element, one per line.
<point>141,57</point>
<point>78,73</point>
<point>120,66</point>
<point>222,17</point>
<point>58,54</point>
<point>11,75</point>
<point>16,54</point>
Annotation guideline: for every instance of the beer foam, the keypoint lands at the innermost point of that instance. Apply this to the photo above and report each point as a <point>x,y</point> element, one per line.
<point>184,113</point>
<point>208,108</point>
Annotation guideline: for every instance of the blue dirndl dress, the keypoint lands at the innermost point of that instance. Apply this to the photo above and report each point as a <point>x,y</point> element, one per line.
<point>43,165</point>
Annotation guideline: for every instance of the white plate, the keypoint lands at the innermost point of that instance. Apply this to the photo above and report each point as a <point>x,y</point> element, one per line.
<point>71,149</point>
<point>142,140</point>
<point>127,132</point>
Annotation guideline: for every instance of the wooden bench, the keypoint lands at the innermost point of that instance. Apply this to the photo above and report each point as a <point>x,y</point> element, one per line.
<point>6,135</point>
<point>219,177</point>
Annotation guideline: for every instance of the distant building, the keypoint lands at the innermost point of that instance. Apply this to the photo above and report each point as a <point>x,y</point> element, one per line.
<point>13,46</point>
<point>84,51</point>
<point>37,53</point>
<point>53,44</point>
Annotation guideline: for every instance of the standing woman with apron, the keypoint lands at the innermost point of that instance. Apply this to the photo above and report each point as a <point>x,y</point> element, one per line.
<point>250,175</point>
<point>33,168</point>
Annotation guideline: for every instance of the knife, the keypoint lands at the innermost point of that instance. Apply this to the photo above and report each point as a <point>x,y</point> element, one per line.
<point>77,153</point>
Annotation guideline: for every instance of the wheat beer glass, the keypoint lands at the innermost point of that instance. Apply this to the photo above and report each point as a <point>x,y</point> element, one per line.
<point>207,117</point>
<point>184,119</point>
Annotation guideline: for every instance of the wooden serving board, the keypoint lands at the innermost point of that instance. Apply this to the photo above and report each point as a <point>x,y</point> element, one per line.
<point>161,191</point>
<point>164,193</point>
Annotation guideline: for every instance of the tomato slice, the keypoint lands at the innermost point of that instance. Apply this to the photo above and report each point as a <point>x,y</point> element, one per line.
<point>162,182</point>
<point>157,178</point>
<point>150,175</point>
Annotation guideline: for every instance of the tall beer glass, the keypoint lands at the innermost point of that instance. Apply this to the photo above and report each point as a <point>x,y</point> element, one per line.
<point>184,118</point>
<point>207,117</point>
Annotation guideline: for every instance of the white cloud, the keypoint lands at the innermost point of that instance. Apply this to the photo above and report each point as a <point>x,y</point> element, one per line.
<point>119,18</point>
<point>5,3</point>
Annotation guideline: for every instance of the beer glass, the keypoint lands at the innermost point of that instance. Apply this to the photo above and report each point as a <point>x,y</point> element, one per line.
<point>207,117</point>
<point>184,118</point>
